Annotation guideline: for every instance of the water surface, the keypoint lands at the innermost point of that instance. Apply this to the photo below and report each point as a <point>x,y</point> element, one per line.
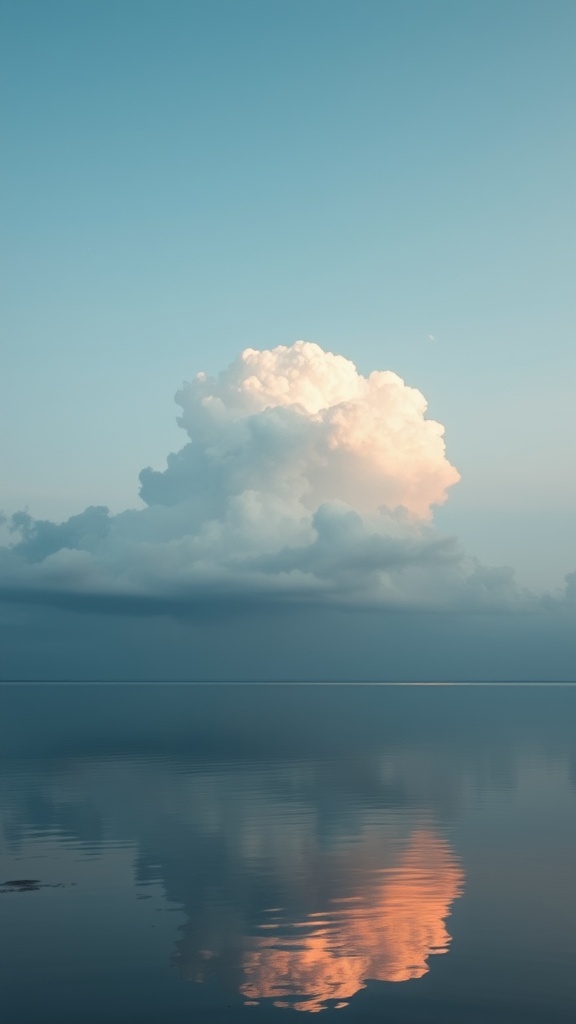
<point>252,853</point>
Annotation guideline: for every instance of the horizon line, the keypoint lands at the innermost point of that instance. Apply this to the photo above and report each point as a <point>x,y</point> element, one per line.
<point>283,682</point>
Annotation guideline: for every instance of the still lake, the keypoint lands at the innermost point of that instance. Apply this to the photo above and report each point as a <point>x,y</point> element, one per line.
<point>239,853</point>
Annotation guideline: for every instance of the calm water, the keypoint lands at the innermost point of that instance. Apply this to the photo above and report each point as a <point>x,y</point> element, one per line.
<point>249,853</point>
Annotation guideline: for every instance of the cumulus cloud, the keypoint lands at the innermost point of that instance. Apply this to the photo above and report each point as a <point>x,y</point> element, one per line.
<point>302,480</point>
<point>304,426</point>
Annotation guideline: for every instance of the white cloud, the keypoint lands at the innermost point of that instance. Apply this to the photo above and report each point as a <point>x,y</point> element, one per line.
<point>302,480</point>
<point>304,424</point>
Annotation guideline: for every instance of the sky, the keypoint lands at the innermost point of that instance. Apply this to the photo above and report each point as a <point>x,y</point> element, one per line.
<point>388,184</point>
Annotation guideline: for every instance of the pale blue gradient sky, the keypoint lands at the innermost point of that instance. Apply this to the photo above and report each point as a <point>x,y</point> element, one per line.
<point>180,180</point>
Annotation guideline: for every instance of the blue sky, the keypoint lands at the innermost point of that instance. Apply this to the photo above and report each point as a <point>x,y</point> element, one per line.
<point>391,180</point>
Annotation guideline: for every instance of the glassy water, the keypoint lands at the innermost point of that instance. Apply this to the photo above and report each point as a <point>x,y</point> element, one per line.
<point>251,853</point>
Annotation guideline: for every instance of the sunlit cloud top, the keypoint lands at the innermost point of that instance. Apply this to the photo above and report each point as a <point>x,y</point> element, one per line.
<point>334,433</point>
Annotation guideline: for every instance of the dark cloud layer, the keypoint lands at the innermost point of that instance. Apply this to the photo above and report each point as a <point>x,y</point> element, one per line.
<point>287,643</point>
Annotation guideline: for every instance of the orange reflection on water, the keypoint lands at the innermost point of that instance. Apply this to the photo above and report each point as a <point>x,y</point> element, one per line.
<point>386,934</point>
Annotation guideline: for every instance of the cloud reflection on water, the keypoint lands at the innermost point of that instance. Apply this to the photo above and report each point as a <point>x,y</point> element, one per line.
<point>307,849</point>
<point>385,916</point>
<point>387,934</point>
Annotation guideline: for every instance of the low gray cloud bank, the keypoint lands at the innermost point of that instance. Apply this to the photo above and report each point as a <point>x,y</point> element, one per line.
<point>302,481</point>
